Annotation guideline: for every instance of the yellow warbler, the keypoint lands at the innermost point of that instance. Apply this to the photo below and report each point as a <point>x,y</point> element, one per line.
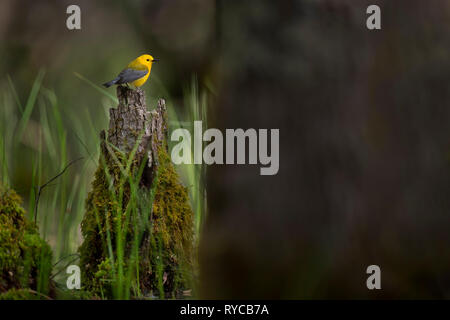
<point>136,72</point>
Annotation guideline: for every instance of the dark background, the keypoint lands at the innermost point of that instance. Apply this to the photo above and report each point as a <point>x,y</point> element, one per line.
<point>364,152</point>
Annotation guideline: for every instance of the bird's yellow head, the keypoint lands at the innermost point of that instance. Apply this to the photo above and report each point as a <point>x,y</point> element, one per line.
<point>146,60</point>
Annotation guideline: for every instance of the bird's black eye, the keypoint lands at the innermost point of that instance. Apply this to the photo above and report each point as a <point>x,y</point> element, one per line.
<point>148,59</point>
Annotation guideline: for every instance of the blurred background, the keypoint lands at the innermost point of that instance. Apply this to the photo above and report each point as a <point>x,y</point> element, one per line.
<point>364,136</point>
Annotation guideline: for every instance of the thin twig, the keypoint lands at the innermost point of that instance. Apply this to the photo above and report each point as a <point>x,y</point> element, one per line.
<point>85,147</point>
<point>64,268</point>
<point>40,188</point>
<point>63,258</point>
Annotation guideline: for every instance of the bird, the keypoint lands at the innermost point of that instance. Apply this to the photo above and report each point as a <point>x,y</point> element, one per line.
<point>136,73</point>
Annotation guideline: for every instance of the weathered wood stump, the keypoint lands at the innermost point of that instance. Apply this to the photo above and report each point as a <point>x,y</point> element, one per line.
<point>137,229</point>
<point>130,118</point>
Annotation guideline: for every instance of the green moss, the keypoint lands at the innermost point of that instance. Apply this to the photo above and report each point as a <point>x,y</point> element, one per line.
<point>63,294</point>
<point>97,220</point>
<point>173,222</point>
<point>25,258</point>
<point>154,223</point>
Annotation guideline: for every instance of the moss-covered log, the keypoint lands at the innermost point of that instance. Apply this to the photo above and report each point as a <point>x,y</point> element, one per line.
<point>25,258</point>
<point>137,229</point>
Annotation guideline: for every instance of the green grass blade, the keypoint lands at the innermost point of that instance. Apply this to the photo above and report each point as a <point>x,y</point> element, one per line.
<point>31,102</point>
<point>97,87</point>
<point>14,91</point>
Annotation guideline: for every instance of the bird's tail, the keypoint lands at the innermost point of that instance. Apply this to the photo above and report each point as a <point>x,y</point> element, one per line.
<point>110,83</point>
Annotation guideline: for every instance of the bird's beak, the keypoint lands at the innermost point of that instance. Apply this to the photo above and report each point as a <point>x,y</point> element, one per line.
<point>154,60</point>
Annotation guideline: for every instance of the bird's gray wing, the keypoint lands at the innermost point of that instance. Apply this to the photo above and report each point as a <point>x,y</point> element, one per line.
<point>129,75</point>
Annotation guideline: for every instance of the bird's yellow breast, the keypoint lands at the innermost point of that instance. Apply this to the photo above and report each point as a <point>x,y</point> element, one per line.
<point>137,64</point>
<point>139,82</point>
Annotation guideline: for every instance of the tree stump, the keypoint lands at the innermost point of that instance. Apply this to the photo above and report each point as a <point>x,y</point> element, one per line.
<point>138,225</point>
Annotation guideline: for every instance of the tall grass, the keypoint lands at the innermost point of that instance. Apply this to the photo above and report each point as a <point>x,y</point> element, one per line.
<point>35,146</point>
<point>40,135</point>
<point>194,175</point>
<point>195,109</point>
